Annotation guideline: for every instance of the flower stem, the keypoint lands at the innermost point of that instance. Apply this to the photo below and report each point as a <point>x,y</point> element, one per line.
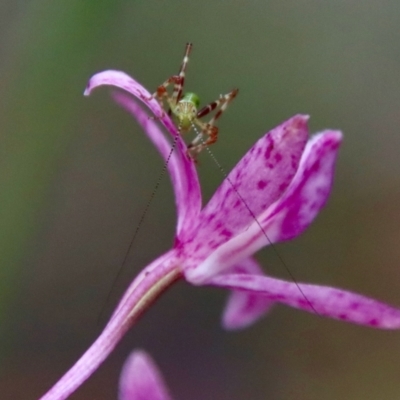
<point>141,294</point>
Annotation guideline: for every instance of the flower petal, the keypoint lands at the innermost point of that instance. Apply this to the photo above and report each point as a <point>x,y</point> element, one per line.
<point>287,217</point>
<point>182,170</point>
<point>124,81</point>
<point>244,308</point>
<point>310,188</point>
<point>323,300</point>
<point>141,380</point>
<point>260,177</point>
<point>154,279</point>
<point>257,181</point>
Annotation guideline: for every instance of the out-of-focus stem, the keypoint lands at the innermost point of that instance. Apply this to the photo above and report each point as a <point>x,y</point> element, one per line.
<point>141,294</point>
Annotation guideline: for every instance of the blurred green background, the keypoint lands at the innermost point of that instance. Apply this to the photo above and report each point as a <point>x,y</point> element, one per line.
<point>76,173</point>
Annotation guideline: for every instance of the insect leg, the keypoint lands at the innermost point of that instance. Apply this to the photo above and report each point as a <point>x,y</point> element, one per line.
<point>161,93</point>
<point>177,80</point>
<point>222,102</point>
<point>209,128</point>
<point>178,88</point>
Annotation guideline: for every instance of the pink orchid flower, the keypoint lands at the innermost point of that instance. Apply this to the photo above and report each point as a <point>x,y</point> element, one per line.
<point>273,194</point>
<point>141,379</point>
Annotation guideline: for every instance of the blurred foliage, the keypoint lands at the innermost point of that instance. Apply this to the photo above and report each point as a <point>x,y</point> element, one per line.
<point>39,106</point>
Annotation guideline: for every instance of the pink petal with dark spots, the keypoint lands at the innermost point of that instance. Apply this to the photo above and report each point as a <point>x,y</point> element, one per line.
<point>287,217</point>
<point>309,190</point>
<point>141,380</point>
<point>323,300</point>
<point>182,171</point>
<point>257,181</point>
<point>243,308</point>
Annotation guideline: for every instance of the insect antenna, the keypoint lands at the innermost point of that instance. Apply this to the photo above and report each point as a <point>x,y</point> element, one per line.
<point>139,225</point>
<point>280,258</point>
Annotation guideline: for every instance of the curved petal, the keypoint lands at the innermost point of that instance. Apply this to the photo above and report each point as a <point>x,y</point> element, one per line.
<point>323,300</point>
<point>124,81</point>
<point>257,181</point>
<point>153,280</point>
<point>243,308</point>
<point>287,217</point>
<point>141,380</point>
<point>182,171</point>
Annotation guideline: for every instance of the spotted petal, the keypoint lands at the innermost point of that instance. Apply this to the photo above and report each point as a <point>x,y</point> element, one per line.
<point>323,300</point>
<point>243,308</point>
<point>309,191</point>
<point>141,380</point>
<point>257,181</point>
<point>287,217</point>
